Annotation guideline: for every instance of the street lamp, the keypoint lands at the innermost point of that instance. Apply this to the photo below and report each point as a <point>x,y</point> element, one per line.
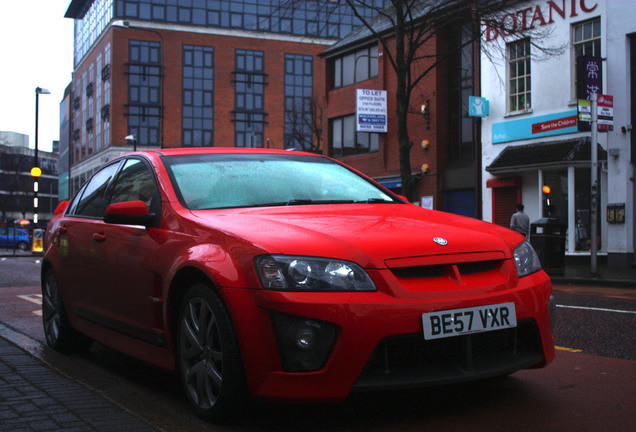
<point>36,171</point>
<point>130,139</point>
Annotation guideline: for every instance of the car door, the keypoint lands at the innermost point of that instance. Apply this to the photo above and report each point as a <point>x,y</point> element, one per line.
<point>129,278</point>
<point>79,249</point>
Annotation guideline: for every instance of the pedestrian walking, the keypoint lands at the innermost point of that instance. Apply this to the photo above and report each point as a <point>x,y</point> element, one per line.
<point>520,221</point>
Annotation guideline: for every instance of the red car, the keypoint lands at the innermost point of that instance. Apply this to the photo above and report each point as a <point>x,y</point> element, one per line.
<point>286,276</point>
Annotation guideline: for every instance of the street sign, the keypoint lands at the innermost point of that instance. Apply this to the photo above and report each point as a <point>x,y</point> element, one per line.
<point>38,237</point>
<point>478,106</point>
<point>585,114</point>
<point>605,113</point>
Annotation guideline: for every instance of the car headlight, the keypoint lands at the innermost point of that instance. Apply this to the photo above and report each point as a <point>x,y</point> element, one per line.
<point>300,273</point>
<point>526,259</point>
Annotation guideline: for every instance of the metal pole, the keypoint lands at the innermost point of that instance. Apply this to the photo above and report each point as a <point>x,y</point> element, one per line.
<point>37,162</point>
<point>37,95</point>
<point>594,185</point>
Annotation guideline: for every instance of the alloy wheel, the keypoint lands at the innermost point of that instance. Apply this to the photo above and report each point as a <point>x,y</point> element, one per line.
<point>51,309</point>
<point>201,353</point>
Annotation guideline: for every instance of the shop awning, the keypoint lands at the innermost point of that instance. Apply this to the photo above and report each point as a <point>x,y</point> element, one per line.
<point>545,154</point>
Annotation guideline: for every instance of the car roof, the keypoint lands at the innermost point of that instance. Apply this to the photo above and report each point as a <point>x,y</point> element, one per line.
<point>178,151</point>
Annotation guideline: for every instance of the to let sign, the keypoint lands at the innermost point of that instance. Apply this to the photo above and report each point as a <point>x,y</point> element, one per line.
<point>371,110</point>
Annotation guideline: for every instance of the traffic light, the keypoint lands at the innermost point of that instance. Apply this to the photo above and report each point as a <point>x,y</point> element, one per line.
<point>36,171</point>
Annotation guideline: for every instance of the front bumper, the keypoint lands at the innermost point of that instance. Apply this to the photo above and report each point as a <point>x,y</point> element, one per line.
<point>379,341</point>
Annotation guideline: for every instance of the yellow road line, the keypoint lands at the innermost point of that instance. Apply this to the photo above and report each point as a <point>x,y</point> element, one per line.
<point>568,349</point>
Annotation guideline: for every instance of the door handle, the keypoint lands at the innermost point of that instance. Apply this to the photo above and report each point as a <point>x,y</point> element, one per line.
<point>99,238</point>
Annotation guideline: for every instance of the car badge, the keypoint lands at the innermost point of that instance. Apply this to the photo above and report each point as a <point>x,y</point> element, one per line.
<point>440,241</point>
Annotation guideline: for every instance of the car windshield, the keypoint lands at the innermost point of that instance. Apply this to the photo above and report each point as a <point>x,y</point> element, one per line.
<point>214,181</point>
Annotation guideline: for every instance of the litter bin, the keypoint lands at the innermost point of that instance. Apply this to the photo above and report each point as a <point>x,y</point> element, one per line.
<point>547,237</point>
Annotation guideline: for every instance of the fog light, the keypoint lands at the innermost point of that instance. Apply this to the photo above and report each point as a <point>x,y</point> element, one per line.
<point>306,339</point>
<point>304,344</point>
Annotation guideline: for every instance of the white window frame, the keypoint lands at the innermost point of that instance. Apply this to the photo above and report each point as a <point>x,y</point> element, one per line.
<point>596,23</point>
<point>519,75</point>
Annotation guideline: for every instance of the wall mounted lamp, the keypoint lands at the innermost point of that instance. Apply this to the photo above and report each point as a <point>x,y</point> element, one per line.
<point>425,110</point>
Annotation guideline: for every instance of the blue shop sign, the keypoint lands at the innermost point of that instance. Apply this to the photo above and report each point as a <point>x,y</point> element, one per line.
<point>535,127</point>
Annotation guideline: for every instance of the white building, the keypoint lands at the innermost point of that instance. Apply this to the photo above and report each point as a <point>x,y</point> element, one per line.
<point>530,137</point>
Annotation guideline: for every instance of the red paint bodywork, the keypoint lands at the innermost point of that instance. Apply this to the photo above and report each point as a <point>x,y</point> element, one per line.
<point>137,279</point>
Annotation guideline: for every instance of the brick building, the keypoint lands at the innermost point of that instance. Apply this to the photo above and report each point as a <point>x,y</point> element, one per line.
<point>445,156</point>
<point>170,73</point>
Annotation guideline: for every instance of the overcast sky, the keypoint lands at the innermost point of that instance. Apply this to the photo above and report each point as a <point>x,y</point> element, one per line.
<point>36,50</point>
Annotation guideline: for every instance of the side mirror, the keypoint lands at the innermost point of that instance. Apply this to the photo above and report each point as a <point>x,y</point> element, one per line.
<point>129,213</point>
<point>61,207</point>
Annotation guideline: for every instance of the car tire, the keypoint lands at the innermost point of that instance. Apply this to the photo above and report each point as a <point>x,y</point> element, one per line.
<point>23,246</point>
<point>209,359</point>
<point>57,329</point>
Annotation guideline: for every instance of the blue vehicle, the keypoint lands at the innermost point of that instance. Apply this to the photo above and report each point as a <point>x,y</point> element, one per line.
<point>11,238</point>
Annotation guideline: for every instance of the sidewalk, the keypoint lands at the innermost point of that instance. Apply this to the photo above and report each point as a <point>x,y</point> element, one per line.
<point>34,397</point>
<point>624,277</point>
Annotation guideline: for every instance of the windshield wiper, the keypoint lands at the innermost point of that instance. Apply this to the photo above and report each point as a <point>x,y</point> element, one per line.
<point>299,202</point>
<point>375,201</point>
<point>310,201</point>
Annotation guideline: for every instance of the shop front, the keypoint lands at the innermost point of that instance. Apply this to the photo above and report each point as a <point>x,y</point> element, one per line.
<point>553,180</point>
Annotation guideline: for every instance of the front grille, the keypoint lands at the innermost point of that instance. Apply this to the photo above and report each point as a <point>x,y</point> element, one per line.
<point>411,361</point>
<point>433,271</point>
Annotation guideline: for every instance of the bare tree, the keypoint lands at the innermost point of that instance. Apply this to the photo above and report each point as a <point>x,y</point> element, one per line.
<point>305,126</point>
<point>405,28</point>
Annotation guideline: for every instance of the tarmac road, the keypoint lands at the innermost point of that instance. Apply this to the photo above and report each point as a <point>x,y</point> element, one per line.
<point>589,386</point>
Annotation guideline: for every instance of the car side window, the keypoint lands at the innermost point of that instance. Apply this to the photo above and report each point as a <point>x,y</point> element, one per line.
<point>70,210</point>
<point>93,201</point>
<point>136,182</point>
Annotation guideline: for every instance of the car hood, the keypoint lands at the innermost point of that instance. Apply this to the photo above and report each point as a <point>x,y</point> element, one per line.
<point>369,234</point>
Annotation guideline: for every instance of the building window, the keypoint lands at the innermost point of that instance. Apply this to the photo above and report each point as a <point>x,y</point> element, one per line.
<point>299,90</point>
<point>75,140</point>
<point>106,106</point>
<point>98,105</point>
<point>84,117</point>
<point>144,90</point>
<point>354,67</point>
<point>345,141</point>
<point>249,98</point>
<point>462,130</point>
<point>519,86</point>
<point>198,96</point>
<point>88,29</point>
<point>587,39</point>
<point>323,19</point>
<point>587,73</point>
<point>90,93</point>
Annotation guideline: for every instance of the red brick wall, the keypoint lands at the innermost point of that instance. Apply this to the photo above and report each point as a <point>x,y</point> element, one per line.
<point>224,48</point>
<point>386,161</point>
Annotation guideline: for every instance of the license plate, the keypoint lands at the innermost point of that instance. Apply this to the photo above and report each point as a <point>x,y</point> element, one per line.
<point>456,322</point>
